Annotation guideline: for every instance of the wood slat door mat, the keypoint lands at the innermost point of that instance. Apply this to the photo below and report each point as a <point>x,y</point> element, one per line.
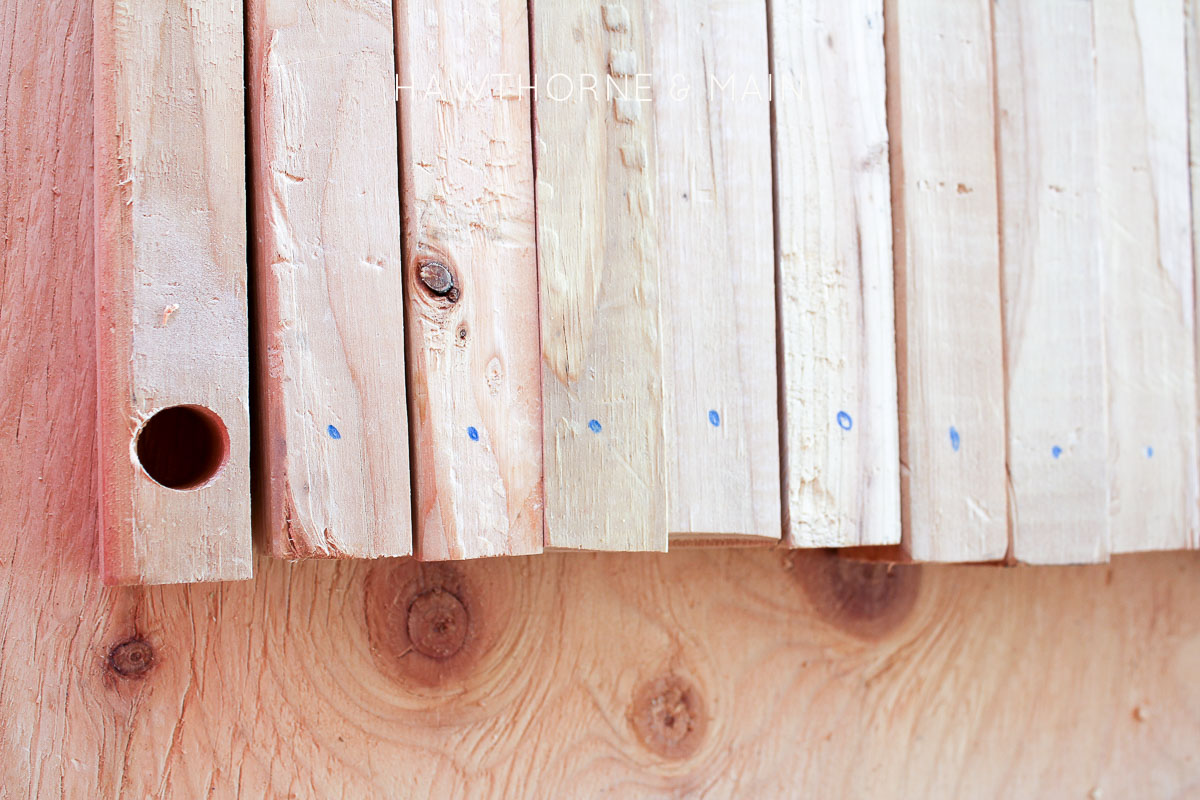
<point>901,275</point>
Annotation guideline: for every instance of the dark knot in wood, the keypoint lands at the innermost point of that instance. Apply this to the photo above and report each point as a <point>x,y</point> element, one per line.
<point>437,623</point>
<point>867,599</point>
<point>132,658</point>
<point>667,715</point>
<point>438,279</point>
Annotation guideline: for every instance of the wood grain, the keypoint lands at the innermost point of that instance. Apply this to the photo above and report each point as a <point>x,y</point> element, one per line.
<point>949,335</point>
<point>1053,279</point>
<point>605,457</point>
<point>841,462</point>
<point>716,256</point>
<point>1149,277</point>
<point>474,370</point>
<point>1047,682</point>
<point>329,285</point>
<point>171,287</point>
<point>1192,47</point>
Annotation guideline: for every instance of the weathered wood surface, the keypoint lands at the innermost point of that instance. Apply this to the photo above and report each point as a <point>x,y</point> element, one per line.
<point>605,459</point>
<point>841,464</point>
<point>815,678</point>
<point>716,253</point>
<point>1145,211</point>
<point>471,271</point>
<point>333,467</point>
<point>949,334</point>
<point>1053,279</point>
<point>171,272</point>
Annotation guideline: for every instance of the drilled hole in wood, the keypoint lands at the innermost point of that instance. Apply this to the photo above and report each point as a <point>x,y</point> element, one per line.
<point>183,447</point>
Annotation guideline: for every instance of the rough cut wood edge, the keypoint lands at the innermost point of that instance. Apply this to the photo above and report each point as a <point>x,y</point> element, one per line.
<point>949,335</point>
<point>333,448</point>
<point>1053,301</point>
<point>1145,205</point>
<point>171,281</point>
<point>841,449</point>
<point>473,347</point>
<point>599,279</point>
<point>716,256</point>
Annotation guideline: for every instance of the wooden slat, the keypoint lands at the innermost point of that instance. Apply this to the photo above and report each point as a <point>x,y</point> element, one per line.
<point>329,284</point>
<point>716,254</point>
<point>1192,47</point>
<point>948,316</point>
<point>171,286</point>
<point>841,462</point>
<point>597,253</point>
<point>474,372</point>
<point>1150,308</point>
<point>1057,434</point>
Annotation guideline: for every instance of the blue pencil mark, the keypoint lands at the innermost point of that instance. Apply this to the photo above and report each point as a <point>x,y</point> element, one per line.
<point>714,418</point>
<point>334,433</point>
<point>474,434</point>
<point>955,439</point>
<point>1056,451</point>
<point>594,425</point>
<point>1149,452</point>
<point>844,421</point>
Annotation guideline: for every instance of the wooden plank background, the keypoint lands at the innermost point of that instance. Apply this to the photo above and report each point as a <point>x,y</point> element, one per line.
<point>716,255</point>
<point>949,339</point>
<point>1144,191</point>
<point>1053,269</point>
<point>792,675</point>
<point>602,386</point>
<point>170,170</point>
<point>331,385</point>
<point>841,460</point>
<point>473,351</point>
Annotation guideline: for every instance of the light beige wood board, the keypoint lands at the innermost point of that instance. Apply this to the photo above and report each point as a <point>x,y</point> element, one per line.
<point>716,256</point>
<point>474,369</point>
<point>1053,281</point>
<point>1145,213</point>
<point>329,285</point>
<point>171,292</point>
<point>949,335</point>
<point>1192,46</point>
<point>841,449</point>
<point>605,457</point>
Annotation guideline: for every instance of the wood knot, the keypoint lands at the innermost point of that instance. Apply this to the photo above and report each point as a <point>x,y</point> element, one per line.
<point>427,626</point>
<point>667,715</point>
<point>438,279</point>
<point>437,623</point>
<point>866,598</point>
<point>132,658</point>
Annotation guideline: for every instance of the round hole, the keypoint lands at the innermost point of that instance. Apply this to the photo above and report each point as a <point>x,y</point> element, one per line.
<point>183,447</point>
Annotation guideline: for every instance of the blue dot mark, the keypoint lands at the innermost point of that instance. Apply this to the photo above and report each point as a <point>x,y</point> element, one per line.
<point>334,433</point>
<point>1056,451</point>
<point>594,425</point>
<point>844,421</point>
<point>714,418</point>
<point>955,439</point>
<point>1149,452</point>
<point>474,434</point>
